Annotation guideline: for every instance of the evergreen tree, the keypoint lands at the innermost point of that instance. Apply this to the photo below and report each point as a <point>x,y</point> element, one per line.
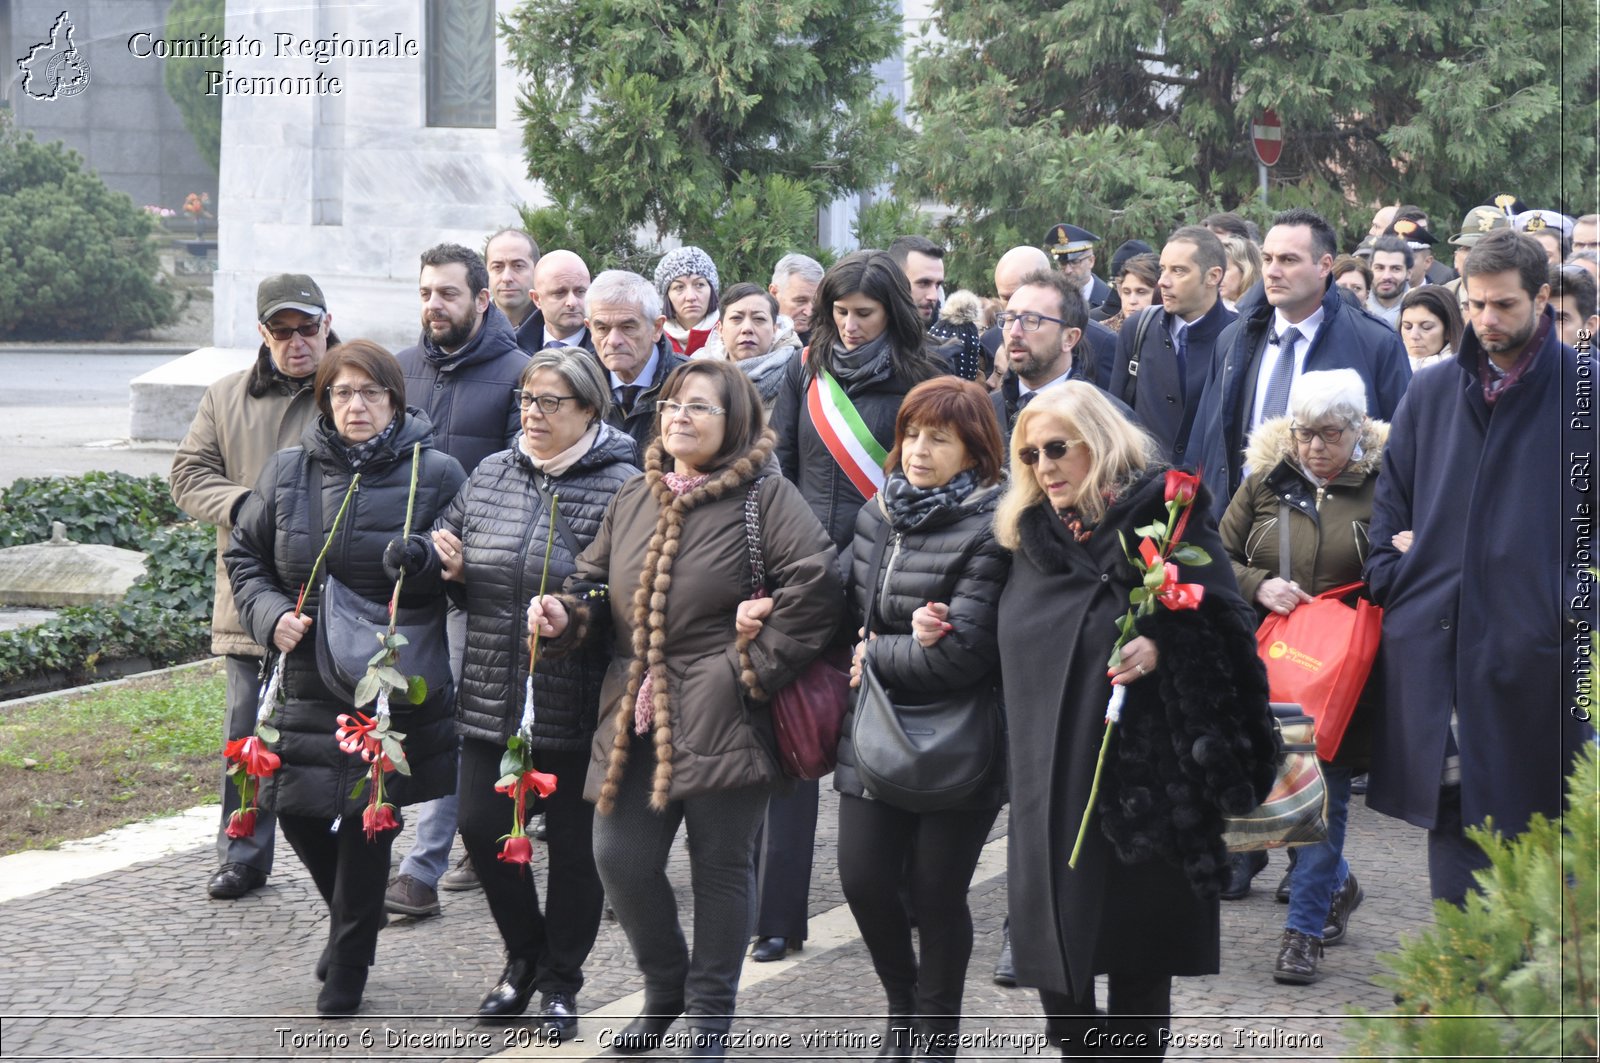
<point>721,123</point>
<point>1131,116</point>
<point>185,76</point>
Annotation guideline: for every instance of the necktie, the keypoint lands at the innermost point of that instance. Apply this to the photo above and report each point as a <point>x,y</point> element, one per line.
<point>1024,399</point>
<point>1183,357</point>
<point>630,394</point>
<point>1277,402</point>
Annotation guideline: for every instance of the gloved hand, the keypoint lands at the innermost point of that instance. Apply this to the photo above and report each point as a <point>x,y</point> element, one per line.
<point>413,553</point>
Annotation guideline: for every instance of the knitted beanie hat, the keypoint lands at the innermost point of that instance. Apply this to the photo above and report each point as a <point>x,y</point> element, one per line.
<point>683,262</point>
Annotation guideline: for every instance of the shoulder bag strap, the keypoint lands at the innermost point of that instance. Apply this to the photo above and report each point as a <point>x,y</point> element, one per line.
<point>314,505</point>
<point>752,538</point>
<point>1283,541</point>
<point>562,527</point>
<point>879,541</point>
<point>1130,386</point>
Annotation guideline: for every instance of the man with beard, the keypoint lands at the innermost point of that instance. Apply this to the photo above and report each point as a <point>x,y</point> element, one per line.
<point>462,374</point>
<point>560,284</point>
<point>1164,352</point>
<point>512,256</point>
<point>795,279</point>
<point>1042,323</point>
<point>922,261</point>
<point>1100,341</point>
<point>1391,272</point>
<point>1481,513</point>
<point>244,419</point>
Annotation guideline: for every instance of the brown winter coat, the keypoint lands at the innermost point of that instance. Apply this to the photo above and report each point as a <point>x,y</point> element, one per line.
<point>219,460</point>
<point>1328,541</point>
<point>707,735</point>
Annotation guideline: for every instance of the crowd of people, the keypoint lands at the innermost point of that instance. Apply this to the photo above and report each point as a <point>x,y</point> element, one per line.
<point>684,493</point>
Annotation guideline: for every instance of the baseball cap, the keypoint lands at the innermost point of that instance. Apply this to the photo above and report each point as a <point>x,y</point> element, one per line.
<point>289,291</point>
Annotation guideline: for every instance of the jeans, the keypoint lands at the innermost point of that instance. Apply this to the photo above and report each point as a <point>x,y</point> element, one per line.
<point>436,820</point>
<point>1320,869</point>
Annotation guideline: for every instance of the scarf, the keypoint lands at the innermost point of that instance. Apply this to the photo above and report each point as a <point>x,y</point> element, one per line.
<point>358,454</point>
<point>866,364</point>
<point>643,705</point>
<point>1496,381</point>
<point>559,464</point>
<point>766,372</point>
<point>908,505</point>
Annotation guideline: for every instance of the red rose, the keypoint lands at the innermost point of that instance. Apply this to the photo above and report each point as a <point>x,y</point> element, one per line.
<point>1181,486</point>
<point>253,755</point>
<point>379,818</point>
<point>517,849</point>
<point>242,824</point>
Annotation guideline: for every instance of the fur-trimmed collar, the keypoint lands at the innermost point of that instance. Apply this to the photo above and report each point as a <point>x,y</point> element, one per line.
<point>1271,445</point>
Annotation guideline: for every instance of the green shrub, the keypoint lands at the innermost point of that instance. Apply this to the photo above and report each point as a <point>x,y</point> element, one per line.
<point>109,508</point>
<point>1514,974</point>
<point>76,259</point>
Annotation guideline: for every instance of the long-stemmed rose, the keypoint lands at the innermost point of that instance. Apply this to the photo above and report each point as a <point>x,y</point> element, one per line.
<point>1161,545</point>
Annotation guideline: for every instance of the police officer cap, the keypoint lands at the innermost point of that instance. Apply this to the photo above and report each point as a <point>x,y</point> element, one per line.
<point>1068,242</point>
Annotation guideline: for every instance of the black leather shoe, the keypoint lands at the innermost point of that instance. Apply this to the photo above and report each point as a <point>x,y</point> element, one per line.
<point>768,949</point>
<point>1346,900</point>
<point>1297,958</point>
<point>233,881</point>
<point>1242,867</point>
<point>1005,968</point>
<point>706,1044</point>
<point>558,1016</point>
<point>1281,894</point>
<point>341,993</point>
<point>511,994</point>
<point>644,1033</point>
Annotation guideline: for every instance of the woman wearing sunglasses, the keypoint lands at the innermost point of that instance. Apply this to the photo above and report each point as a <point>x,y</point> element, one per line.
<point>1194,736</point>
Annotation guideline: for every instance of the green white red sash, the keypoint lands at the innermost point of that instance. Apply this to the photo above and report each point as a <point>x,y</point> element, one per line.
<point>845,434</point>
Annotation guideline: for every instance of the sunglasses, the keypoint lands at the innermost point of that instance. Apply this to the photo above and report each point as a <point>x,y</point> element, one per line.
<point>308,330</point>
<point>1055,450</point>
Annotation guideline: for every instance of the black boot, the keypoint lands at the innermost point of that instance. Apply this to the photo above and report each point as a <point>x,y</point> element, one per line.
<point>644,1033</point>
<point>510,995</point>
<point>899,1037</point>
<point>936,1039</point>
<point>341,993</point>
<point>707,1044</point>
<point>1005,968</point>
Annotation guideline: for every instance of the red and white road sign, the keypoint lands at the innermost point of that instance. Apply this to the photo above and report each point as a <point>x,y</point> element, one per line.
<point>1266,135</point>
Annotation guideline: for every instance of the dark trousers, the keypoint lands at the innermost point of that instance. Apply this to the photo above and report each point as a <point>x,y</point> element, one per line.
<point>351,873</point>
<point>255,851</point>
<point>1452,856</point>
<point>783,863</point>
<point>886,851</point>
<point>1139,1012</point>
<point>557,941</point>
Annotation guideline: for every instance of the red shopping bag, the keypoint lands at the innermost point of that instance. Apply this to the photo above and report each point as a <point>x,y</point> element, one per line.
<point>1320,656</point>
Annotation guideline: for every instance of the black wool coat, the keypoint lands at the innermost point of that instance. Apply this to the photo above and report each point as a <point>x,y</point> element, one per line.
<point>467,395</point>
<point>1158,912</point>
<point>951,556</point>
<point>269,559</point>
<point>504,525</point>
<point>1483,613</point>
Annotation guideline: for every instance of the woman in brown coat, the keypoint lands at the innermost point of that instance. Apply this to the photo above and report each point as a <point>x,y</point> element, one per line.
<point>1316,469</point>
<point>681,738</point>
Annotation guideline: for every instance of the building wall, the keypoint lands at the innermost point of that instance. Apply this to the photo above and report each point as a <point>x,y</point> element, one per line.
<point>124,125</point>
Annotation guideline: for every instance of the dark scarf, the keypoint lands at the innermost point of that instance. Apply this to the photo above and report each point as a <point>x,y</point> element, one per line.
<point>293,383</point>
<point>358,454</point>
<point>1495,383</point>
<point>865,365</point>
<point>909,505</point>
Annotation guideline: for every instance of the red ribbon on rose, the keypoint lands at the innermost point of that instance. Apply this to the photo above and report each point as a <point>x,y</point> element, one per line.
<point>380,747</point>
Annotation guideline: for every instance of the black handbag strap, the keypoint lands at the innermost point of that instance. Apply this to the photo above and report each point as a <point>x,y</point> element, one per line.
<point>563,529</point>
<point>1283,542</point>
<point>879,541</point>
<point>1130,386</point>
<point>314,505</point>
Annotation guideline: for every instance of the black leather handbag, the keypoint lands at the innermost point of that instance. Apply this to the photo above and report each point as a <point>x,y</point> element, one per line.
<point>922,753</point>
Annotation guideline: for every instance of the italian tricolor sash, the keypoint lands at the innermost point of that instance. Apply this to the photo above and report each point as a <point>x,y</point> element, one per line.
<point>845,434</point>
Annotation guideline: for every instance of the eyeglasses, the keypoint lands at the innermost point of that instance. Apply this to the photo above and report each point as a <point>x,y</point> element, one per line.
<point>669,410</point>
<point>1030,320</point>
<point>1055,450</point>
<point>1329,436</point>
<point>372,394</point>
<point>283,332</point>
<point>547,403</point>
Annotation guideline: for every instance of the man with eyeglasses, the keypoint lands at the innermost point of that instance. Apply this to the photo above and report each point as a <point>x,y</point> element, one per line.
<point>630,340</point>
<point>1041,326</point>
<point>462,373</point>
<point>244,419</point>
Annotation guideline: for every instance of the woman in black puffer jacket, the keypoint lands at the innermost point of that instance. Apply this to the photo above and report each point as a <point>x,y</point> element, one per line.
<point>939,561</point>
<point>364,426</point>
<point>491,542</point>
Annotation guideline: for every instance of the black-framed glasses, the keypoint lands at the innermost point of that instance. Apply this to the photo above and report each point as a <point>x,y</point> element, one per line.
<point>670,409</point>
<point>548,404</point>
<point>1055,450</point>
<point>283,332</point>
<point>1030,320</point>
<point>344,394</point>
<point>1329,436</point>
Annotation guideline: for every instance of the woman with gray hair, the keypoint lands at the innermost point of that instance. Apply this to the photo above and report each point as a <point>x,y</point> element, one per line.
<point>565,467</point>
<point>1314,471</point>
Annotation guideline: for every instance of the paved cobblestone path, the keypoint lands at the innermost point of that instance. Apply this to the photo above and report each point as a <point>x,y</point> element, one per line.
<point>139,964</point>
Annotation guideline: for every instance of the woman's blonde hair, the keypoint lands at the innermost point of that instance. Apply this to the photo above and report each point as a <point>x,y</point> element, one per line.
<point>1116,447</point>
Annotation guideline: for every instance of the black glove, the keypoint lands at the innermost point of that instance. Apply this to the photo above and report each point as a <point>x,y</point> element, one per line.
<point>412,553</point>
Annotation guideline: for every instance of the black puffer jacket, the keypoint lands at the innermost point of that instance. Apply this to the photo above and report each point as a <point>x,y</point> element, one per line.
<point>950,557</point>
<point>467,395</point>
<point>503,525</point>
<point>269,558</point>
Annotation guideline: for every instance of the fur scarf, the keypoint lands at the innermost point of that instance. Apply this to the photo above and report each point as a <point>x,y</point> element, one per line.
<point>650,614</point>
